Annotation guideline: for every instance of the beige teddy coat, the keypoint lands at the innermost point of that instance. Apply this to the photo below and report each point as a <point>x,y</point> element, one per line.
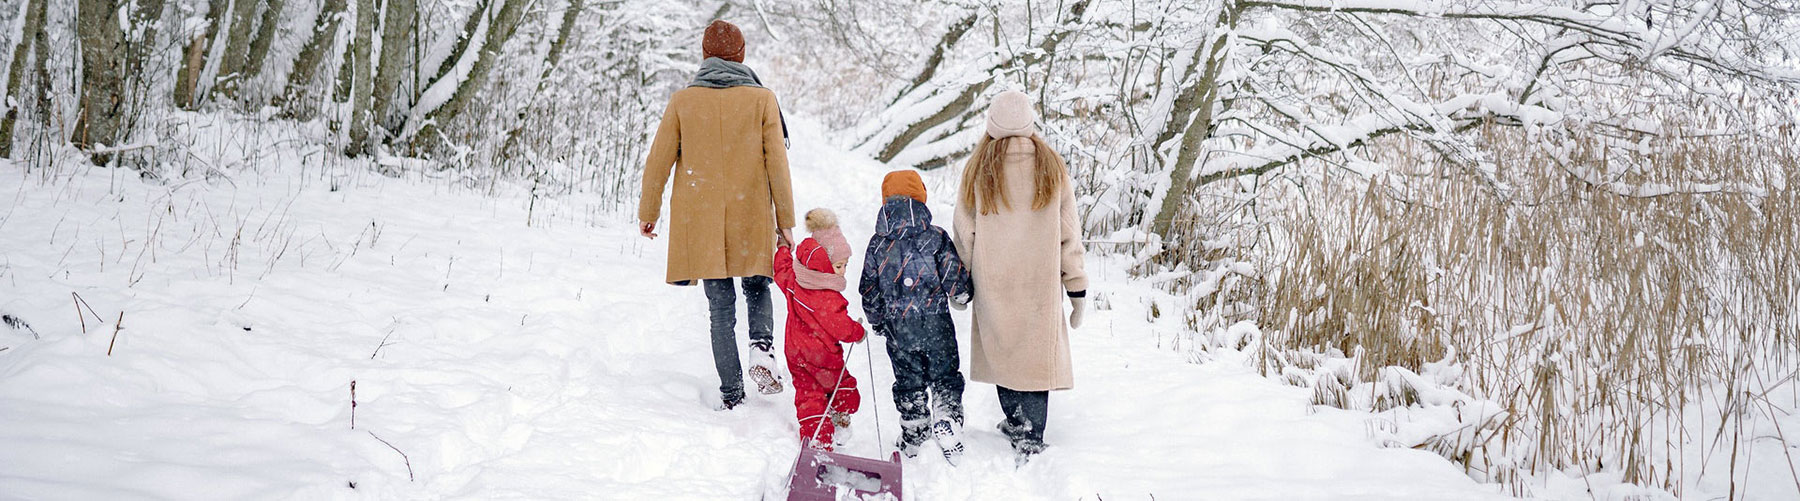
<point>1023,262</point>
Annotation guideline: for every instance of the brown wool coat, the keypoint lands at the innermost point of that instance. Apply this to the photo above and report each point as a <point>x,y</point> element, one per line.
<point>1023,262</point>
<point>732,190</point>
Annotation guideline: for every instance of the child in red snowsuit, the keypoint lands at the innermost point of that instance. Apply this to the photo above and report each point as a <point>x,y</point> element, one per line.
<point>817,321</point>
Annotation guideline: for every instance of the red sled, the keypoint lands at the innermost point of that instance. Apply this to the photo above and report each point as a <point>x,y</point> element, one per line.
<point>820,475</point>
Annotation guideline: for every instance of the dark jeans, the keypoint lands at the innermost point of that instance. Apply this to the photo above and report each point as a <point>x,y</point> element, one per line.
<point>1026,414</point>
<point>927,377</point>
<point>721,301</point>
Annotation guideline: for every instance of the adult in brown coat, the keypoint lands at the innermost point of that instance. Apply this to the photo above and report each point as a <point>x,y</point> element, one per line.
<point>1018,231</point>
<point>724,141</point>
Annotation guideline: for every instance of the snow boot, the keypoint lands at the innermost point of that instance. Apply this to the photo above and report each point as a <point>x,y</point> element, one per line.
<point>912,434</point>
<point>762,368</point>
<point>841,422</point>
<point>949,438</point>
<point>729,402</point>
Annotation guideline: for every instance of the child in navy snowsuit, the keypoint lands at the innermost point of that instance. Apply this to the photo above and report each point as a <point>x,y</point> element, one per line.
<point>817,321</point>
<point>910,275</point>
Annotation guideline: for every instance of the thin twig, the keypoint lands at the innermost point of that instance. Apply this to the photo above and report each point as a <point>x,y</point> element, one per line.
<point>383,344</point>
<point>353,404</point>
<point>409,471</point>
<point>77,302</point>
<point>115,337</point>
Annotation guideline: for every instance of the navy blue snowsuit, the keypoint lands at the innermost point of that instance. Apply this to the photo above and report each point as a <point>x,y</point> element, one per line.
<point>909,274</point>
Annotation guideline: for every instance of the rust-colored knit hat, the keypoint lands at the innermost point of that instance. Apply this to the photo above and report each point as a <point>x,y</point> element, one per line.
<point>903,182</point>
<point>723,41</point>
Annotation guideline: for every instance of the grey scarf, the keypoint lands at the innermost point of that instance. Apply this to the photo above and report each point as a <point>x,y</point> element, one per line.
<point>716,73</point>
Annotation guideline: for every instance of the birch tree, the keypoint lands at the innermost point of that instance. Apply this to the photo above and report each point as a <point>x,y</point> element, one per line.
<point>194,57</point>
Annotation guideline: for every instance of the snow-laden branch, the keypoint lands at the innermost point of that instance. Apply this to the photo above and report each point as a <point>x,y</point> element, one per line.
<point>1654,189</point>
<point>1461,112</point>
<point>1617,30</point>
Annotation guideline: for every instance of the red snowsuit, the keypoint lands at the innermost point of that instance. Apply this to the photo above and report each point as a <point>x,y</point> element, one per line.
<point>817,321</point>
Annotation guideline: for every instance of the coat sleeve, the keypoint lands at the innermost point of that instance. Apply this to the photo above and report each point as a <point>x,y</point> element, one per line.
<point>831,314</point>
<point>1074,274</point>
<point>869,285</point>
<point>957,283</point>
<point>963,224</point>
<point>775,159</point>
<point>665,150</point>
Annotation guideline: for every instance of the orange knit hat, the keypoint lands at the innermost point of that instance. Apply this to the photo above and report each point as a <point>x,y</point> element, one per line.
<point>903,182</point>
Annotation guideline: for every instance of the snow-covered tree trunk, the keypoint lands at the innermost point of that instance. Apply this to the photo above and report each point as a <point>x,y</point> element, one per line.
<point>930,113</point>
<point>397,27</point>
<point>111,54</point>
<point>265,37</point>
<point>193,60</point>
<point>31,33</point>
<point>468,33</point>
<point>552,59</point>
<point>447,97</point>
<point>237,48</point>
<point>298,100</point>
<point>359,67</point>
<point>1197,100</point>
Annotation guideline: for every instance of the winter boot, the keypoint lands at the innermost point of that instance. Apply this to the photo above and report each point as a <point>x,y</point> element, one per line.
<point>762,368</point>
<point>729,402</point>
<point>841,422</point>
<point>949,438</point>
<point>912,433</point>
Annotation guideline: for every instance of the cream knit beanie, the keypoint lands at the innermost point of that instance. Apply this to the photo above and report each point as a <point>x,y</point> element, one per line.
<point>1011,115</point>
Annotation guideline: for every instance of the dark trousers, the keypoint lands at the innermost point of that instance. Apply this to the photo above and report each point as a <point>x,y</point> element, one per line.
<point>721,301</point>
<point>1026,414</point>
<point>927,374</point>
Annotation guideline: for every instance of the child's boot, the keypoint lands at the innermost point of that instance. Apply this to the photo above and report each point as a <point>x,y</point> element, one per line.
<point>912,434</point>
<point>949,438</point>
<point>841,421</point>
<point>947,429</point>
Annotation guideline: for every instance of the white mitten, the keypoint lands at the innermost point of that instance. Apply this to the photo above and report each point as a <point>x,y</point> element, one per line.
<point>960,303</point>
<point>1078,305</point>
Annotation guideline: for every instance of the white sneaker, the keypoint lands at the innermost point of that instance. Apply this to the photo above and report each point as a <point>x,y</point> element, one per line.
<point>762,370</point>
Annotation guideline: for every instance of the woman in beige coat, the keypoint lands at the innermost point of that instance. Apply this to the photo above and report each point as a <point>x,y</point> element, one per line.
<point>1018,231</point>
<point>722,138</point>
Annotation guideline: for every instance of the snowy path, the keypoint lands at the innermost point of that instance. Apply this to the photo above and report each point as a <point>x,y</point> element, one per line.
<point>542,362</point>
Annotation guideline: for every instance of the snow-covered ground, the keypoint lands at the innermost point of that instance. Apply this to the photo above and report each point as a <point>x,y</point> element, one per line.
<point>542,361</point>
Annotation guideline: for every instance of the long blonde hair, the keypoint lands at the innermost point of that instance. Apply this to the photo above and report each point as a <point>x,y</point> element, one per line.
<point>984,178</point>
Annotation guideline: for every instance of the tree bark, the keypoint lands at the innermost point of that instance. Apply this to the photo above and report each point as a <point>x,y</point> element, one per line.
<point>265,37</point>
<point>396,25</point>
<point>296,101</point>
<point>1206,94</point>
<point>501,30</point>
<point>31,34</point>
<point>951,36</point>
<point>237,48</point>
<point>965,99</point>
<point>551,60</point>
<point>102,76</point>
<point>194,58</point>
<point>462,40</point>
<point>358,67</point>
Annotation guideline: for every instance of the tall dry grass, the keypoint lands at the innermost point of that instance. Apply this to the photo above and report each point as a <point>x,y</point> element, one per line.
<point>1621,328</point>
